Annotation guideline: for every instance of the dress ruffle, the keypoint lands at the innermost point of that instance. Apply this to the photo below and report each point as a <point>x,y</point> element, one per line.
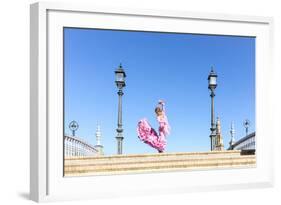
<point>149,136</point>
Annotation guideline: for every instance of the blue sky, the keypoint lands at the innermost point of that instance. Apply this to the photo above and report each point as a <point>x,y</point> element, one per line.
<point>168,66</point>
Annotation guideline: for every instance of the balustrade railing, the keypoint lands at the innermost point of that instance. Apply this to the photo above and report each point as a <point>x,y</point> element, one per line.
<point>74,146</point>
<point>246,143</point>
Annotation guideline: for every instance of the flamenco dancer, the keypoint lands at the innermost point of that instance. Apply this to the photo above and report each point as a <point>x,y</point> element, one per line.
<point>149,136</point>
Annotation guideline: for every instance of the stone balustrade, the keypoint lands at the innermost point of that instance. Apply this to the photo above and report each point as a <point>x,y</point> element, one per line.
<point>246,143</point>
<point>74,146</point>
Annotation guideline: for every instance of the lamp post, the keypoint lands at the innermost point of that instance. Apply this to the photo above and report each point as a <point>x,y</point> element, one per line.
<point>246,124</point>
<point>212,78</point>
<point>73,126</point>
<point>120,76</point>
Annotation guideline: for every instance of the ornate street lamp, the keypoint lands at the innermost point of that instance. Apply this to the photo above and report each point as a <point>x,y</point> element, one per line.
<point>246,124</point>
<point>212,78</point>
<point>73,126</point>
<point>120,76</point>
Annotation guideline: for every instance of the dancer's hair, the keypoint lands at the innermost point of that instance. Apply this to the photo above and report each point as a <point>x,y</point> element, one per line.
<point>158,110</point>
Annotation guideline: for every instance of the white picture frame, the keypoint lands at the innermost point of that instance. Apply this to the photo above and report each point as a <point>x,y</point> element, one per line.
<point>46,162</point>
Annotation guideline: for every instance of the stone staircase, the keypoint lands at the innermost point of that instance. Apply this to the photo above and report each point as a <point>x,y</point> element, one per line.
<point>139,163</point>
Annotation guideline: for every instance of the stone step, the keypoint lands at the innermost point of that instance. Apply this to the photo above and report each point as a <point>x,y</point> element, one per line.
<point>147,157</point>
<point>162,169</point>
<point>172,167</point>
<point>83,166</point>
<point>154,164</point>
<point>150,157</point>
<point>176,154</point>
<point>98,162</point>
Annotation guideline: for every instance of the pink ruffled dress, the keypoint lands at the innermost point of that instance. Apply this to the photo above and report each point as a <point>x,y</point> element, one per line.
<point>149,136</point>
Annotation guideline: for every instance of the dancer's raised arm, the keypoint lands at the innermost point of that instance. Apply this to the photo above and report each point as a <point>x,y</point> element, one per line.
<point>161,102</point>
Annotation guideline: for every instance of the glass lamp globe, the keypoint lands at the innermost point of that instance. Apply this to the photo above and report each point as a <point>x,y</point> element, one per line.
<point>120,76</point>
